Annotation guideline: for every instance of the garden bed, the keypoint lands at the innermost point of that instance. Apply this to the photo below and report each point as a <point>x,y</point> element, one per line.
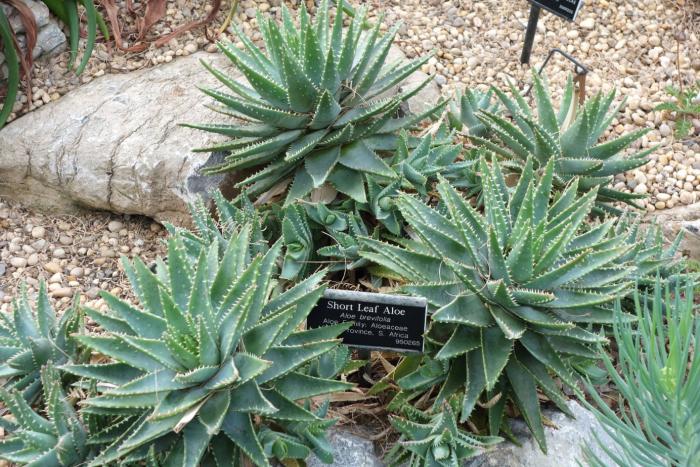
<point>511,213</point>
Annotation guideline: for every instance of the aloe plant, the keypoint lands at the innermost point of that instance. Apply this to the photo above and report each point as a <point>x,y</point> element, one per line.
<point>67,12</point>
<point>343,251</point>
<point>208,356</point>
<point>418,161</point>
<point>656,374</point>
<point>417,169</point>
<point>315,111</point>
<point>513,291</point>
<point>569,137</point>
<point>318,232</point>
<point>435,439</point>
<point>60,439</point>
<point>652,259</point>
<point>29,340</point>
<point>224,220</point>
<point>464,108</point>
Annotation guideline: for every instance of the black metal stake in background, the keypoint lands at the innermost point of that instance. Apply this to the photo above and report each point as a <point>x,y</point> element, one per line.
<point>530,33</point>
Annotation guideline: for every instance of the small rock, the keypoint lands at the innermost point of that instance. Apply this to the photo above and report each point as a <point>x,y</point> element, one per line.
<point>588,23</point>
<point>39,245</point>
<point>18,262</point>
<point>76,272</point>
<point>641,189</point>
<point>38,232</point>
<point>59,253</point>
<point>56,278</point>
<point>62,292</point>
<point>52,267</point>
<point>114,226</point>
<point>32,259</point>
<point>687,198</point>
<point>655,53</point>
<point>349,451</point>
<point>665,130</point>
<point>50,39</point>
<point>92,293</point>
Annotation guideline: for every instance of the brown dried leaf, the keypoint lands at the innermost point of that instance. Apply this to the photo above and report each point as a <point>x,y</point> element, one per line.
<point>216,5</point>
<point>346,397</point>
<point>112,15</point>
<point>30,30</point>
<point>491,402</point>
<point>388,367</point>
<point>155,11</point>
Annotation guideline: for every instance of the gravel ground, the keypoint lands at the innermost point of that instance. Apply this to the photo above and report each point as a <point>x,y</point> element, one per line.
<point>631,45</point>
<point>73,254</point>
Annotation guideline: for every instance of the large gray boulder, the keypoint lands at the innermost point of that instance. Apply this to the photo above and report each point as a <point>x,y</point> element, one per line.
<point>115,144</point>
<point>565,439</point>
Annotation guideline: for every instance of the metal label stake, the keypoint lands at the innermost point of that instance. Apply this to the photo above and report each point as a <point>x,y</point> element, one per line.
<point>530,33</point>
<point>567,9</point>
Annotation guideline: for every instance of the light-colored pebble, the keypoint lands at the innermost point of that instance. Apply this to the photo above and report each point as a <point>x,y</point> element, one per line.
<point>114,226</point>
<point>18,262</point>
<point>62,292</point>
<point>641,189</point>
<point>56,278</point>
<point>52,267</point>
<point>76,272</point>
<point>38,232</point>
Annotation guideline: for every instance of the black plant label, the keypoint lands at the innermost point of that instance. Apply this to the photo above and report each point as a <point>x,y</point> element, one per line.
<point>567,9</point>
<point>380,321</point>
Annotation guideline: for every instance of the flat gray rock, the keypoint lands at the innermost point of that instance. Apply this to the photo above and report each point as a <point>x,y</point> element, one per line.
<point>113,144</point>
<point>38,9</point>
<point>564,444</point>
<point>350,451</point>
<point>50,40</point>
